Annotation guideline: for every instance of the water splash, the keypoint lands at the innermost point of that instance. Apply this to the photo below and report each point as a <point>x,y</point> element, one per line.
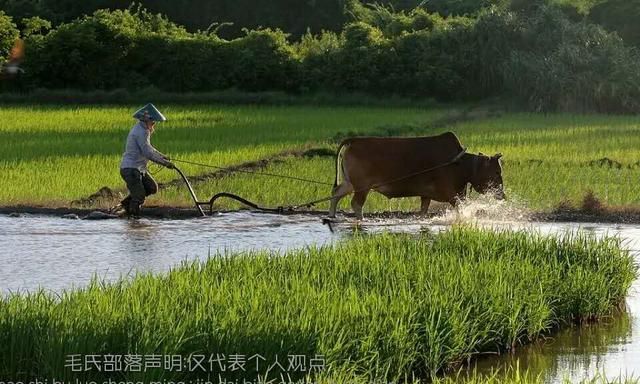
<point>484,209</point>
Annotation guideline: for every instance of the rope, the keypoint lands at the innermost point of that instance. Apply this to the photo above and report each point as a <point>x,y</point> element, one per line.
<point>246,202</point>
<point>253,172</point>
<point>156,172</point>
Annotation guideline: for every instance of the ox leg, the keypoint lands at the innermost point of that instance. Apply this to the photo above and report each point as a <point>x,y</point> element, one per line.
<point>357,202</point>
<point>458,198</point>
<point>455,202</point>
<point>424,205</point>
<point>338,193</point>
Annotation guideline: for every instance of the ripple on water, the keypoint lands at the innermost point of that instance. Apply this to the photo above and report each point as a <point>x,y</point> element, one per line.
<point>57,254</point>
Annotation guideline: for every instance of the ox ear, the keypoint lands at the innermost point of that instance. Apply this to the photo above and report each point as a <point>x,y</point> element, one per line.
<point>480,154</point>
<point>498,156</point>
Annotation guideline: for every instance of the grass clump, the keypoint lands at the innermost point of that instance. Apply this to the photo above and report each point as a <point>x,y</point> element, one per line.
<point>382,307</point>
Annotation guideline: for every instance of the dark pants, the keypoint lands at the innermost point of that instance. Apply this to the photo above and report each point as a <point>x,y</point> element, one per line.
<point>140,185</point>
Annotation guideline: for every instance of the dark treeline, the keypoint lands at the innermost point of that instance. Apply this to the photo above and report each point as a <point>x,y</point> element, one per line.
<point>296,17</point>
<point>291,16</point>
<point>621,16</point>
<point>539,54</point>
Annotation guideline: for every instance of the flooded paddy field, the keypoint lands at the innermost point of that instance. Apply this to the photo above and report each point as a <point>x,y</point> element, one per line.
<point>59,254</point>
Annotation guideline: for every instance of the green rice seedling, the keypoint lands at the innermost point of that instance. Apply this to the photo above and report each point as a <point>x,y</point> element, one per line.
<point>52,155</point>
<point>547,159</point>
<point>384,307</point>
<point>515,375</point>
<point>536,186</point>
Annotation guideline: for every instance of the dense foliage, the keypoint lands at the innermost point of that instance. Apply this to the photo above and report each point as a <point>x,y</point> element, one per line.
<point>292,16</point>
<point>586,69</point>
<point>621,16</point>
<point>8,35</point>
<point>534,52</point>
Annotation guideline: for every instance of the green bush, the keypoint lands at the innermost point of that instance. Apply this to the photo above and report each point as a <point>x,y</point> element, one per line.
<point>463,7</point>
<point>495,34</point>
<point>262,60</point>
<point>33,26</point>
<point>8,35</point>
<point>85,54</point>
<point>133,49</point>
<point>292,16</point>
<point>434,71</point>
<point>620,16</point>
<point>532,52</point>
<point>320,54</point>
<point>360,61</point>
<point>91,52</point>
<point>585,70</point>
<point>178,64</point>
<point>394,23</point>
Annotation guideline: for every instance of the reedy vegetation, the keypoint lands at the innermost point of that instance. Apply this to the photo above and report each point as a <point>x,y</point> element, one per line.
<point>377,307</point>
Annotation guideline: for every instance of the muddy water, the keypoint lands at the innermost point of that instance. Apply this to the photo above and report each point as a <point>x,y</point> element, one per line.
<point>56,254</point>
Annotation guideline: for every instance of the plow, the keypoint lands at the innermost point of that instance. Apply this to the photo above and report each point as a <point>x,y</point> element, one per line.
<point>209,204</point>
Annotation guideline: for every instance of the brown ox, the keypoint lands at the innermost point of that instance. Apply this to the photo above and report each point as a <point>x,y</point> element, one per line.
<point>434,168</point>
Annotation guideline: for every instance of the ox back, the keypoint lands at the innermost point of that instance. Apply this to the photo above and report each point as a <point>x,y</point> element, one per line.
<point>378,163</point>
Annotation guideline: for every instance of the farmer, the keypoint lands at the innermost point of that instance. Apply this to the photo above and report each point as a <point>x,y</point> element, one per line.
<point>138,152</point>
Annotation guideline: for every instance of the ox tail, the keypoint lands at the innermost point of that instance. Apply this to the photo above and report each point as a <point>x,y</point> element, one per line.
<point>339,164</point>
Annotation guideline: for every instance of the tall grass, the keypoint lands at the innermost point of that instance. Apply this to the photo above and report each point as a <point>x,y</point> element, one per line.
<point>377,307</point>
<point>52,155</point>
<point>535,185</point>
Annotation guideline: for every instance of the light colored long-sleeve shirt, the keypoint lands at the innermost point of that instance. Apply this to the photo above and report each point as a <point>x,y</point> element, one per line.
<point>139,150</point>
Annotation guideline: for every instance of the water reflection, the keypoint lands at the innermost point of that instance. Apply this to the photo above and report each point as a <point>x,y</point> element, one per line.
<point>576,353</point>
<point>610,347</point>
<point>57,254</point>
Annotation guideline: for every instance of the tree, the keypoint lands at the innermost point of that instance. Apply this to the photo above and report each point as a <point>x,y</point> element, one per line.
<point>620,16</point>
<point>34,26</point>
<point>8,35</point>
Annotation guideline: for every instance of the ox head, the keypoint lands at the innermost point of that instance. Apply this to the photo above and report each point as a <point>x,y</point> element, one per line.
<point>487,175</point>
